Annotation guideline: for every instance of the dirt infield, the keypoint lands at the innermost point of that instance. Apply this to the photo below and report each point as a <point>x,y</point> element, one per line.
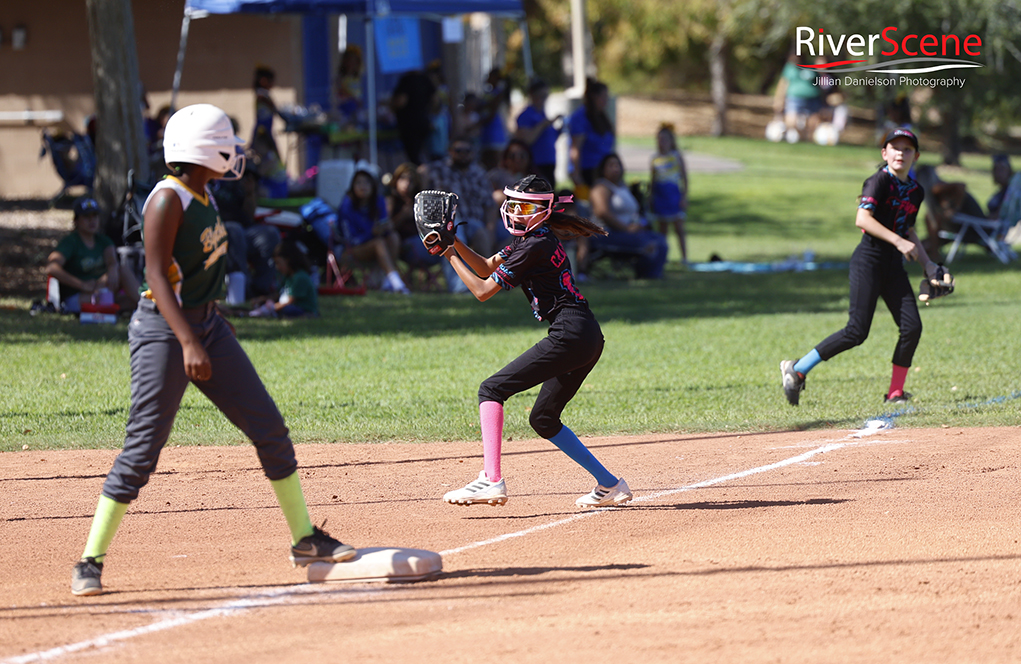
<point>795,547</point>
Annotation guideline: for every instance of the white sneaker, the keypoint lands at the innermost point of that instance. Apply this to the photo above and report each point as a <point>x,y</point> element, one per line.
<point>602,496</point>
<point>480,491</point>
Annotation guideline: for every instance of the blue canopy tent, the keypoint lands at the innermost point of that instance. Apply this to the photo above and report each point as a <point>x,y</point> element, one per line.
<point>368,9</point>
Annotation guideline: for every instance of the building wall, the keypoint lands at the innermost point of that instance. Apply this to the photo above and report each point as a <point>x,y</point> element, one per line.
<point>54,72</point>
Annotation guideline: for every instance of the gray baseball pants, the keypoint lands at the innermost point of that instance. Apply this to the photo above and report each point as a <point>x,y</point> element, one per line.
<point>158,382</point>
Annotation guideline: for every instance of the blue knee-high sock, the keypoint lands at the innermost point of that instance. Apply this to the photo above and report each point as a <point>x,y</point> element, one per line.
<point>574,448</point>
<point>805,364</point>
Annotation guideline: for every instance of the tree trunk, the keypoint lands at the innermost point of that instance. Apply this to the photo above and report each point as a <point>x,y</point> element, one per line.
<point>718,76</point>
<point>120,136</point>
<point>951,114</point>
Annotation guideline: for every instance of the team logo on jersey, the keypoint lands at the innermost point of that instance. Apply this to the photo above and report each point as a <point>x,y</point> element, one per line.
<point>214,242</point>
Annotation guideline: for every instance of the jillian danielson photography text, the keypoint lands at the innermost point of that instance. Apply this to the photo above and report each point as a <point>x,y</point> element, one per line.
<point>849,81</point>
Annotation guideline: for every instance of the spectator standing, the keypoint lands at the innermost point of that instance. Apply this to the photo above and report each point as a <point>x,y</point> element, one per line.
<point>439,113</point>
<point>592,136</point>
<point>798,98</point>
<point>349,85</point>
<point>266,155</point>
<point>539,132</point>
<point>493,126</point>
<point>466,120</point>
<point>669,187</point>
<point>411,103</point>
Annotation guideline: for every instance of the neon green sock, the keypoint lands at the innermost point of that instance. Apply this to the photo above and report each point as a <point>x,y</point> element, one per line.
<point>104,526</point>
<point>292,502</point>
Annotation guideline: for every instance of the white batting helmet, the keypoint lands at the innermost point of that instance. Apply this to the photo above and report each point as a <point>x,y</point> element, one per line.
<point>202,134</point>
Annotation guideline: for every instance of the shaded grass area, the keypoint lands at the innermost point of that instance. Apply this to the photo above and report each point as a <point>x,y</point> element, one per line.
<point>696,352</point>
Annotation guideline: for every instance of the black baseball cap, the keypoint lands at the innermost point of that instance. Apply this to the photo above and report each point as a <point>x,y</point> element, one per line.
<point>901,132</point>
<point>85,205</point>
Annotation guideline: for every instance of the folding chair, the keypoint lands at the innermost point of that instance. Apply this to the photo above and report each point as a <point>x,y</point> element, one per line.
<point>993,233</point>
<point>292,224</point>
<point>73,158</point>
<point>131,255</point>
<point>337,279</point>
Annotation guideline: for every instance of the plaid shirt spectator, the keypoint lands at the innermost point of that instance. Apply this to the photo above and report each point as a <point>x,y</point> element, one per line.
<point>470,184</point>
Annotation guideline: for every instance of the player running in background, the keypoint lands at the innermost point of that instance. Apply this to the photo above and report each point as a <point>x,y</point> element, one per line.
<point>176,336</point>
<point>887,209</point>
<point>668,187</point>
<point>536,261</point>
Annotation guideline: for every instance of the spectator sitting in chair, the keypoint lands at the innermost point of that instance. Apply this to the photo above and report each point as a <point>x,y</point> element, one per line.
<point>461,174</point>
<point>615,207</point>
<point>85,264</point>
<point>368,233</point>
<point>944,199</point>
<point>1002,173</point>
<point>400,206</point>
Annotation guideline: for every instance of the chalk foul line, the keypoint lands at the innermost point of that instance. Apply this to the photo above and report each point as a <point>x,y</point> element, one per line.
<point>270,597</point>
<point>830,447</point>
<point>285,595</point>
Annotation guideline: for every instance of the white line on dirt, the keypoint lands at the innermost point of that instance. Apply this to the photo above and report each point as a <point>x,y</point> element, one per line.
<point>255,600</point>
<point>285,595</point>
<point>829,447</point>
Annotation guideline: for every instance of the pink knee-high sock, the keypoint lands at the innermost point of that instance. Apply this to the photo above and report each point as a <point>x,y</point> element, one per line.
<point>491,418</point>
<point>900,374</point>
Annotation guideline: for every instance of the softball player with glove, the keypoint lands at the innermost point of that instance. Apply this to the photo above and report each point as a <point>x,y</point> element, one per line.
<point>176,337</point>
<point>887,209</point>
<point>536,261</point>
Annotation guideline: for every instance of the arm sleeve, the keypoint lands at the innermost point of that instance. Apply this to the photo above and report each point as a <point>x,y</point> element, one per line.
<point>527,120</point>
<point>874,192</point>
<point>579,123</point>
<point>65,247</point>
<point>518,264</point>
<point>301,286</point>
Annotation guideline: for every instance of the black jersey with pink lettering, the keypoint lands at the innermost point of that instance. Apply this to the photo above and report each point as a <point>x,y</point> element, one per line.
<point>538,263</point>
<point>892,202</point>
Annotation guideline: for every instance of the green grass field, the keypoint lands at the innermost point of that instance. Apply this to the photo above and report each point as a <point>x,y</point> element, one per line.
<point>697,352</point>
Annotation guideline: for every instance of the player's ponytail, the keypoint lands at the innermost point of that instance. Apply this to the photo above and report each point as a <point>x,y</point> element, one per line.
<point>569,226</point>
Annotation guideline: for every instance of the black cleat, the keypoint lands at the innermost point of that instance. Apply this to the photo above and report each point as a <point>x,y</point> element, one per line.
<point>793,382</point>
<point>85,577</point>
<point>320,547</point>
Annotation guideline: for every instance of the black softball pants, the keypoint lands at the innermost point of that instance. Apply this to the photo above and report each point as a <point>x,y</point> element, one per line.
<point>877,271</point>
<point>560,362</point>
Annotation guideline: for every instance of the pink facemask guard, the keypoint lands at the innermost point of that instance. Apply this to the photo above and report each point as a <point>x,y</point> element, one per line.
<point>521,224</point>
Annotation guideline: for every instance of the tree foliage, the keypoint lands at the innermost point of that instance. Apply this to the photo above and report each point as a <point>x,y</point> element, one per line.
<point>644,45</point>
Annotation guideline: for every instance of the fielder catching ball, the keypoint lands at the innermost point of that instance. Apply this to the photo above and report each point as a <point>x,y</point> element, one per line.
<point>176,336</point>
<point>536,261</point>
<point>887,209</point>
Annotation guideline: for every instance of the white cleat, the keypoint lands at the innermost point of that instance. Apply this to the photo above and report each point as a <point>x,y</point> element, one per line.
<point>479,491</point>
<point>602,496</point>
